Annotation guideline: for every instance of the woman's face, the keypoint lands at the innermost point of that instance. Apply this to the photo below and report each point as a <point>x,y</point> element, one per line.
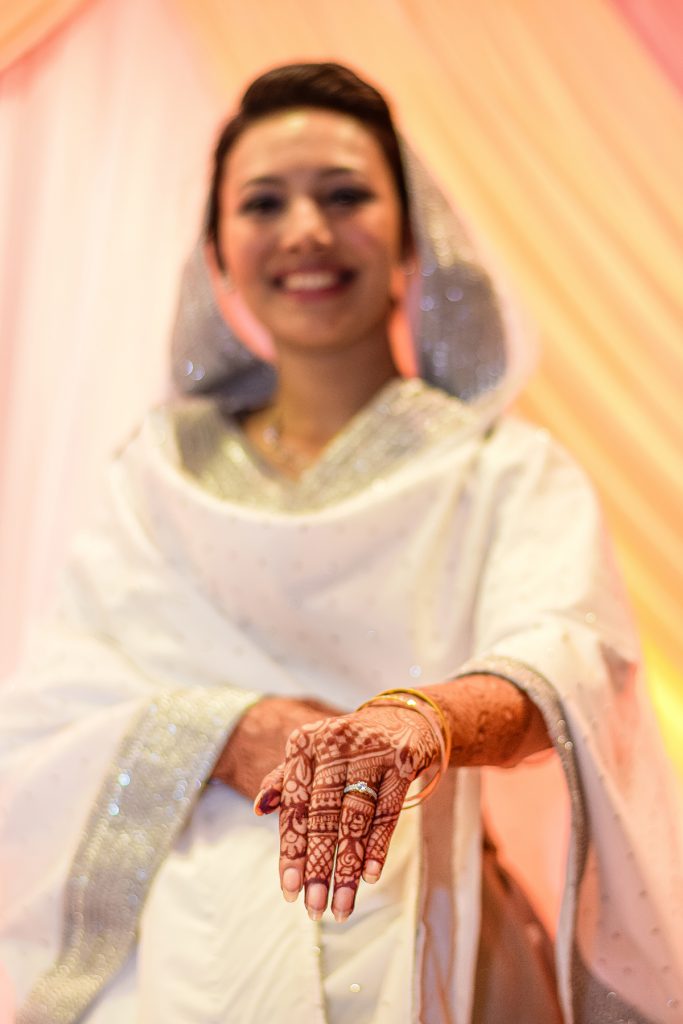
<point>310,229</point>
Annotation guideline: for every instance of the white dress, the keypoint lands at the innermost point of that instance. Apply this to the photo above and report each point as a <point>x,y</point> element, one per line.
<point>417,548</point>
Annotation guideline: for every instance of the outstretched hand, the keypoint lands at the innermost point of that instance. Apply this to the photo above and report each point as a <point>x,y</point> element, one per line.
<point>321,827</point>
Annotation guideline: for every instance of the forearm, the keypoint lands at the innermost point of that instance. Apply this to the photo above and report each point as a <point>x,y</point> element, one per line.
<point>492,721</point>
<point>257,743</point>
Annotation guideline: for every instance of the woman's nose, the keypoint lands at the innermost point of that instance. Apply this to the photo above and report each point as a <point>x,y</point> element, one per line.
<point>305,226</point>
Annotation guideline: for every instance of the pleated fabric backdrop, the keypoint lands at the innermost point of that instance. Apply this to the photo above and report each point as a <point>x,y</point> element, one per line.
<point>558,127</point>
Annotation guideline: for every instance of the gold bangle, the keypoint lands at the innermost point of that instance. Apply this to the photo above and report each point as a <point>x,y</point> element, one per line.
<point>442,735</point>
<point>446,729</point>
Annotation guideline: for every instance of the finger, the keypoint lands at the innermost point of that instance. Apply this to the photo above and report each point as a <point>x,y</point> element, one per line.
<point>298,775</point>
<point>323,830</point>
<point>269,795</point>
<point>355,825</point>
<point>392,793</point>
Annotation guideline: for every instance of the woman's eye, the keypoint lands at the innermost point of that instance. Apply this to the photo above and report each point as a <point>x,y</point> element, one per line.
<point>262,206</point>
<point>349,196</point>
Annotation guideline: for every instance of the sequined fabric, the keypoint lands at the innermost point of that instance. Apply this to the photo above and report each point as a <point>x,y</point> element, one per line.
<point>459,323</point>
<point>146,798</point>
<point>544,697</point>
<point>406,417</point>
<point>342,602</point>
<point>585,998</point>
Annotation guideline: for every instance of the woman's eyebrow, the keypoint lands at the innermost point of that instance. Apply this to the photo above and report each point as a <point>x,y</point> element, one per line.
<point>330,172</point>
<point>273,179</point>
<point>264,179</point>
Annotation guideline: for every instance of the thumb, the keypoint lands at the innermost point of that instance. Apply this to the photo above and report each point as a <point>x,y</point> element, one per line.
<point>268,797</point>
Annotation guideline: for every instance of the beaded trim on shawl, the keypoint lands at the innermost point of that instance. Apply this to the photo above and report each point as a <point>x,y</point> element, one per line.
<point>145,799</point>
<point>402,420</point>
<point>586,1000</point>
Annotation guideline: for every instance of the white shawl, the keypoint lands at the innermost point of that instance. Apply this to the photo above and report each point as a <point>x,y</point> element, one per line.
<point>416,549</point>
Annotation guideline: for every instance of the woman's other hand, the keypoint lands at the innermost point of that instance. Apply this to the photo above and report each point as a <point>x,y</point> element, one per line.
<point>385,747</point>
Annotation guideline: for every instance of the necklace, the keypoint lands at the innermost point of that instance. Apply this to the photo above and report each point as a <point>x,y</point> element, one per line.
<point>290,458</point>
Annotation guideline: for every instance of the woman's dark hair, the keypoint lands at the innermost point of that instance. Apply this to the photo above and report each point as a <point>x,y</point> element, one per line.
<point>327,86</point>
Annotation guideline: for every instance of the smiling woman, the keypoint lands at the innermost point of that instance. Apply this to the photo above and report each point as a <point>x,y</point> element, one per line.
<point>295,543</point>
<point>329,206</point>
<point>313,247</point>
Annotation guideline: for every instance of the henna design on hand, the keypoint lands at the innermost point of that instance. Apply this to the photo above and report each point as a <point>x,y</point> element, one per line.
<point>388,748</point>
<point>258,742</point>
<point>492,721</point>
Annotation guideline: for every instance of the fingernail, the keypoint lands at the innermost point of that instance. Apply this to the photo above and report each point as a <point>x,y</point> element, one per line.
<point>372,871</point>
<point>342,904</point>
<point>291,884</point>
<point>257,801</point>
<point>316,899</point>
<point>266,801</point>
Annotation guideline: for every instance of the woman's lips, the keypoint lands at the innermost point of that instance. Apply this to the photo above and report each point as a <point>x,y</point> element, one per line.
<point>314,283</point>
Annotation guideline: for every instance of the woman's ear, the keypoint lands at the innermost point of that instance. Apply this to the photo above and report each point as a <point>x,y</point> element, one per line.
<point>408,251</point>
<point>401,292</point>
<point>402,273</point>
<point>218,275</point>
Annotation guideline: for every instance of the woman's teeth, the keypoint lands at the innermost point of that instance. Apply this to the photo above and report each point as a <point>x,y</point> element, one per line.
<point>313,281</point>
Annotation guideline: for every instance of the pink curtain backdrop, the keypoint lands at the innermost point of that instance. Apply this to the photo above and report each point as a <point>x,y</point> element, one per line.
<point>106,130</point>
<point>559,128</point>
<point>26,23</point>
<point>659,26</point>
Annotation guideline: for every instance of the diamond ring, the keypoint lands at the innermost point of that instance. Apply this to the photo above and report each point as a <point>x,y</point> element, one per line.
<point>361,787</point>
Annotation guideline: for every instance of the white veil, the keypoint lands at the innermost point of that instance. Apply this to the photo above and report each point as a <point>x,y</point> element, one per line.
<point>467,334</point>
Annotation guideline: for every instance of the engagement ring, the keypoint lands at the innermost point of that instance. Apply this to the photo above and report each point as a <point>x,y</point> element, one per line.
<point>361,787</point>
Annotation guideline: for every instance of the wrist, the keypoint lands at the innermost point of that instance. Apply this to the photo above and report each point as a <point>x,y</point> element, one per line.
<point>493,721</point>
<point>417,702</point>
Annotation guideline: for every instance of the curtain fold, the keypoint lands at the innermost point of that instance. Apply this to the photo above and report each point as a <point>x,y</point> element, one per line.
<point>659,26</point>
<point>106,131</point>
<point>26,23</point>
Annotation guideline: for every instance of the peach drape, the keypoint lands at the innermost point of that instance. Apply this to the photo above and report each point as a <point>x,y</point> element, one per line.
<point>555,125</point>
<point>659,26</point>
<point>25,23</point>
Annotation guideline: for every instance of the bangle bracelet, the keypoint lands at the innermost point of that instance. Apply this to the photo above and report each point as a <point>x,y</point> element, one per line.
<point>445,727</point>
<point>406,698</point>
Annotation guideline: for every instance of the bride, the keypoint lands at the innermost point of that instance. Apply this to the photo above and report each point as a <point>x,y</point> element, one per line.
<point>334,592</point>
